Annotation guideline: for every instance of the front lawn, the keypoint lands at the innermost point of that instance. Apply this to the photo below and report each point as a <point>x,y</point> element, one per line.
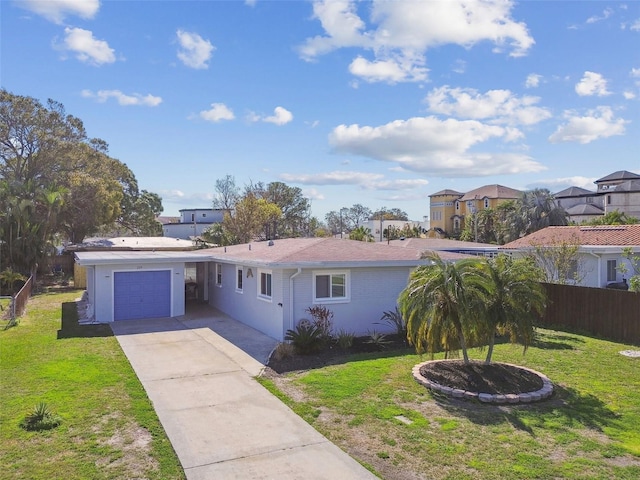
<point>372,408</point>
<point>109,429</point>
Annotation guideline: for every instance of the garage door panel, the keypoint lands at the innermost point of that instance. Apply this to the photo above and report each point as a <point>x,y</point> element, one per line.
<point>142,294</point>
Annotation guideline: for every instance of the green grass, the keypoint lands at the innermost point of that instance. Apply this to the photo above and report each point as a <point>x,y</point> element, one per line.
<point>590,428</point>
<point>109,429</point>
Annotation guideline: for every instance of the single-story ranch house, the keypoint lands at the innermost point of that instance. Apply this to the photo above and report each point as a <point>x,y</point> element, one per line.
<point>267,285</point>
<point>599,255</point>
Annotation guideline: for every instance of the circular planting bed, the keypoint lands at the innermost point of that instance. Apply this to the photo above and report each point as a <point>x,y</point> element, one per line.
<point>488,383</point>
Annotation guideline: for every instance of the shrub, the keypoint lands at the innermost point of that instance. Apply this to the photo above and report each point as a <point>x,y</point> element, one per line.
<point>41,418</point>
<point>396,320</point>
<point>323,319</point>
<point>344,339</point>
<point>283,350</point>
<point>378,340</point>
<point>305,338</point>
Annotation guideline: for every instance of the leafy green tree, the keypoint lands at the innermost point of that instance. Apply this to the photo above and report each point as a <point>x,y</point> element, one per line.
<point>219,235</point>
<point>634,262</point>
<point>250,218</point>
<point>439,303</point>
<point>385,213</point>
<point>10,279</point>
<point>559,261</point>
<point>615,217</point>
<point>514,300</point>
<point>294,208</point>
<point>54,180</point>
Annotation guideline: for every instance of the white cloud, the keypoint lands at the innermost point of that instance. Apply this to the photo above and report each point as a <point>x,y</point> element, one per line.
<point>592,84</point>
<point>635,26</point>
<point>194,50</point>
<point>533,80</point>
<point>433,146</point>
<point>390,70</point>
<point>401,33</point>
<point>56,10</point>
<point>87,48</point>
<point>123,99</point>
<point>281,116</point>
<point>628,95</point>
<point>635,72</point>
<point>558,184</point>
<point>217,113</point>
<point>606,13</point>
<point>365,180</point>
<point>596,124</point>
<point>313,194</point>
<point>497,106</point>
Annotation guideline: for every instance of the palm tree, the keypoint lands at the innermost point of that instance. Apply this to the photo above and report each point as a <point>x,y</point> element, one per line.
<point>438,303</point>
<point>515,298</point>
<point>539,209</point>
<point>362,234</point>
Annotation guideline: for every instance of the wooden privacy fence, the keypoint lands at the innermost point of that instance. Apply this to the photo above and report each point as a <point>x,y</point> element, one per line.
<point>20,299</point>
<point>612,314</point>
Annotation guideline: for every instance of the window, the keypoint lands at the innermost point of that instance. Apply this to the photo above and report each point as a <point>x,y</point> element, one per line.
<point>589,199</point>
<point>486,203</point>
<point>612,271</point>
<point>219,274</point>
<point>456,224</point>
<point>330,286</point>
<point>457,205</point>
<point>193,217</point>
<point>608,199</point>
<point>239,278</point>
<point>265,284</point>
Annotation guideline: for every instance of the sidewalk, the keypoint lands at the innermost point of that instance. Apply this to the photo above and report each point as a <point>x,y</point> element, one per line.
<point>220,421</point>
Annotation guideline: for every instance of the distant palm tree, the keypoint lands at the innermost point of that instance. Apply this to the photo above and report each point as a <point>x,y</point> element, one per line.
<point>362,234</point>
<point>539,209</point>
<point>439,302</point>
<point>515,298</point>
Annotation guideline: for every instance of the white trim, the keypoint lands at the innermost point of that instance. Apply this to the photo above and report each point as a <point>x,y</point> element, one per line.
<point>218,275</point>
<point>262,296</point>
<point>240,269</point>
<point>331,273</point>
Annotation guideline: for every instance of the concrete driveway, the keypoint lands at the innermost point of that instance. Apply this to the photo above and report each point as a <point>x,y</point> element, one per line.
<point>198,371</point>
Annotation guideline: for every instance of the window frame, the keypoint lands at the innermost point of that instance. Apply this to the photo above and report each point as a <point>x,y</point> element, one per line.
<point>612,273</point>
<point>267,297</point>
<point>218,274</point>
<point>239,279</point>
<point>331,299</point>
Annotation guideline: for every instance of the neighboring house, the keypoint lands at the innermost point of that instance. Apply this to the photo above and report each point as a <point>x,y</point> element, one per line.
<point>599,254</point>
<point>192,222</point>
<point>442,209</point>
<point>378,227</point>
<point>617,191</point>
<point>580,204</point>
<point>448,208</point>
<point>267,285</point>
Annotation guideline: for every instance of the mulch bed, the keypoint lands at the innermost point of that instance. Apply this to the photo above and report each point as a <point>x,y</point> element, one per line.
<point>333,355</point>
<point>494,378</point>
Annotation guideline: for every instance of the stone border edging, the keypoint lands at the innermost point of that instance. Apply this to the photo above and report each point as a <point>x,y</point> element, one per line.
<point>527,397</point>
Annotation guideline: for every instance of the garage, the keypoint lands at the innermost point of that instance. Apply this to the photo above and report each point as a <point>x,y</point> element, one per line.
<point>145,294</point>
<point>128,285</point>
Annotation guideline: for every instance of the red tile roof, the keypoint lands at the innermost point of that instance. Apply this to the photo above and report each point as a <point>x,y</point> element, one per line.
<point>605,235</point>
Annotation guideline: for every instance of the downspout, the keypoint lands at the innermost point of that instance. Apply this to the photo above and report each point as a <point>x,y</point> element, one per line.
<point>598,266</point>
<point>291,325</point>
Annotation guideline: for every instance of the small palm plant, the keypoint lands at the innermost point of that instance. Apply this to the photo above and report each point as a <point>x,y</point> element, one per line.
<point>41,418</point>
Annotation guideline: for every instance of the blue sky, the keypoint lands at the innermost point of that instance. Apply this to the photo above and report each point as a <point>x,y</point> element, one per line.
<point>380,103</point>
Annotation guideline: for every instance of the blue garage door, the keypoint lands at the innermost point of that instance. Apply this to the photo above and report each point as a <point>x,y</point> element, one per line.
<point>145,294</point>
